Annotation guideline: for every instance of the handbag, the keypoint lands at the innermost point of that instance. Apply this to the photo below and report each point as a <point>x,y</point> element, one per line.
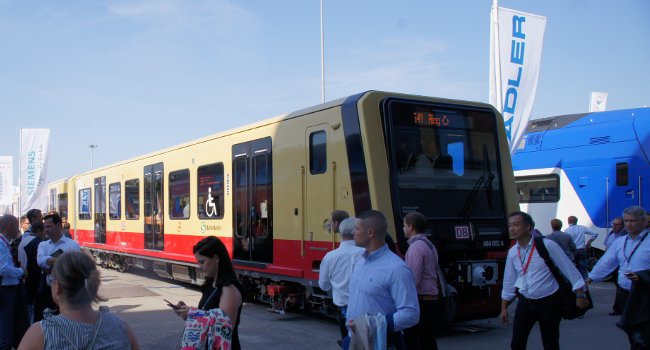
<point>567,298</point>
<point>447,305</point>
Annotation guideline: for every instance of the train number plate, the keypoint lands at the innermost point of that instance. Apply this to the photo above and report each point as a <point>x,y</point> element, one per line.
<point>462,232</point>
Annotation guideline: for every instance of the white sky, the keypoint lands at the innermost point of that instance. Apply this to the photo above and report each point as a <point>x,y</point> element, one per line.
<point>134,76</point>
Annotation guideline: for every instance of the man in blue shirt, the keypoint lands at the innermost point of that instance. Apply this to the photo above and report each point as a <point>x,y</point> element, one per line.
<point>630,254</point>
<point>9,280</point>
<point>381,282</point>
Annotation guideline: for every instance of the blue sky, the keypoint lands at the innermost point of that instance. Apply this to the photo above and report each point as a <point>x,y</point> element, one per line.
<point>134,76</point>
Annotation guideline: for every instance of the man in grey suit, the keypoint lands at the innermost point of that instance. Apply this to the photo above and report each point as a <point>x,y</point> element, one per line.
<point>562,239</point>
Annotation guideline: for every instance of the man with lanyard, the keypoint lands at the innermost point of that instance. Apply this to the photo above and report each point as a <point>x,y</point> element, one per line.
<point>48,251</point>
<point>9,280</point>
<point>618,231</point>
<point>528,277</point>
<point>630,254</point>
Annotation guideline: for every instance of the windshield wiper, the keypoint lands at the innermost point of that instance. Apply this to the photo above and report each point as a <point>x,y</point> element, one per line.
<point>484,182</point>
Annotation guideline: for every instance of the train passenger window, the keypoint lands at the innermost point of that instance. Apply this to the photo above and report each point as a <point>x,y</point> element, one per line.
<point>114,201</point>
<point>179,194</point>
<point>621,174</point>
<point>318,152</point>
<point>84,204</point>
<point>132,195</point>
<point>52,206</point>
<point>210,191</point>
<point>63,205</point>
<point>538,188</point>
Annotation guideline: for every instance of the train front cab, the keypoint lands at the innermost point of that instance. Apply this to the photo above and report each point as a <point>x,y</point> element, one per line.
<point>448,160</point>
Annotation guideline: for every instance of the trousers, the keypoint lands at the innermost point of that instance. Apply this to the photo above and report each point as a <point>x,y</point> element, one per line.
<point>546,311</point>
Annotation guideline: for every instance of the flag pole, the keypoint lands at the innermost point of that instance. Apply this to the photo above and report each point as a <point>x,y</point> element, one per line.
<point>497,57</point>
<point>322,54</point>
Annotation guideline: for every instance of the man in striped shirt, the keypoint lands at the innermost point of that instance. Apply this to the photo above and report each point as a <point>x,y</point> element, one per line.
<point>422,258</point>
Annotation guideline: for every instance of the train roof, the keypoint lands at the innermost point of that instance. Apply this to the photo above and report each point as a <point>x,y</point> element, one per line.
<point>561,121</point>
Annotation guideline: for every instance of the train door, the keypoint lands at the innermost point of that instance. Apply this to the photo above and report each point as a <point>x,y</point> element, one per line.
<point>154,228</point>
<point>319,188</point>
<point>100,210</point>
<point>624,188</point>
<point>253,201</point>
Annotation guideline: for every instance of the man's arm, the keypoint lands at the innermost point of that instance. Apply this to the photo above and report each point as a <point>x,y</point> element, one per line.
<point>41,257</point>
<point>402,289</point>
<point>414,259</point>
<point>593,235</point>
<point>7,268</point>
<point>566,266</point>
<point>323,275</point>
<point>606,264</point>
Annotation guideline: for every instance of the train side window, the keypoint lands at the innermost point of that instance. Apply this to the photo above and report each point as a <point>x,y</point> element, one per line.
<point>210,191</point>
<point>84,204</point>
<point>538,188</point>
<point>621,174</point>
<point>132,195</point>
<point>179,194</point>
<point>317,152</point>
<point>115,201</point>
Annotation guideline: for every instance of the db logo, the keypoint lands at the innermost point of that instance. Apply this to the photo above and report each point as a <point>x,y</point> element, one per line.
<point>462,232</point>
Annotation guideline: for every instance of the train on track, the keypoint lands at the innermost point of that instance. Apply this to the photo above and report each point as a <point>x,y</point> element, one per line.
<point>267,191</point>
<point>590,165</point>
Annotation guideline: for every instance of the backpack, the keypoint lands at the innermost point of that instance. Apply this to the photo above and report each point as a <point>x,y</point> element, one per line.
<point>567,299</point>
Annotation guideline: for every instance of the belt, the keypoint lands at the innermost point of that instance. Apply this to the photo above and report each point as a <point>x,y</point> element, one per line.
<point>427,297</point>
<point>538,301</point>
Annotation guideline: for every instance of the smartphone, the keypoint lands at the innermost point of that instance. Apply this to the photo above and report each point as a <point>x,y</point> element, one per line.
<point>627,273</point>
<point>173,306</point>
<point>57,253</point>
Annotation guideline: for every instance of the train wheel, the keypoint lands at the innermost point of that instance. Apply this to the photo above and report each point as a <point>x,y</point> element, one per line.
<point>123,265</point>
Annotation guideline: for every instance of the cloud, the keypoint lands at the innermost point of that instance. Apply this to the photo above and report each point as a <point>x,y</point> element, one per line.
<point>401,64</point>
<point>221,18</point>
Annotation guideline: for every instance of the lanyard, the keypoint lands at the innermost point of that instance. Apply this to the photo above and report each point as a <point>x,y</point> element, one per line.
<point>635,248</point>
<point>525,268</point>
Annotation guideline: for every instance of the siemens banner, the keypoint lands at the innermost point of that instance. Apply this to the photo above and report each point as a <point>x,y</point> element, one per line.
<point>33,169</point>
<point>516,40</point>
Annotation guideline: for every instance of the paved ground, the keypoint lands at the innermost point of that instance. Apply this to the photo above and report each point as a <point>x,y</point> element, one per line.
<point>138,299</point>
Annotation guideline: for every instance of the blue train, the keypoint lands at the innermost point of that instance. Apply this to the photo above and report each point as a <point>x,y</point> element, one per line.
<point>590,165</point>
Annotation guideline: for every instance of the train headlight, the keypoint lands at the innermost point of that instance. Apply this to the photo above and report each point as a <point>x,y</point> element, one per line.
<point>484,273</point>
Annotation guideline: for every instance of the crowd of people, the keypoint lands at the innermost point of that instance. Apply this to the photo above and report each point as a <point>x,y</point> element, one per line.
<point>48,285</point>
<point>529,279</point>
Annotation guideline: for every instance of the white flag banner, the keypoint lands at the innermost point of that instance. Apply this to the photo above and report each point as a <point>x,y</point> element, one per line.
<point>598,102</point>
<point>6,182</point>
<point>33,169</point>
<point>516,40</point>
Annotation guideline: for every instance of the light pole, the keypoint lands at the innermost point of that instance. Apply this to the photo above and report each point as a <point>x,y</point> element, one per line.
<point>92,154</point>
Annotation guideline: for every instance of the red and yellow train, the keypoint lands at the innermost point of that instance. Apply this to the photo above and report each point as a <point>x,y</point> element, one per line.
<point>267,190</point>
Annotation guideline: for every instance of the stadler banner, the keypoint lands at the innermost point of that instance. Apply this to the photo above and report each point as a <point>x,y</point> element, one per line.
<point>33,169</point>
<point>6,182</point>
<point>516,40</point>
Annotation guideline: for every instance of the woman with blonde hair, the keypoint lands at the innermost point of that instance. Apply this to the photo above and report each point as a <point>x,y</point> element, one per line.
<point>78,326</point>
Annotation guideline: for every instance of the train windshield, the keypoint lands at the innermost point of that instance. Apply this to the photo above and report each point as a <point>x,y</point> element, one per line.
<point>445,160</point>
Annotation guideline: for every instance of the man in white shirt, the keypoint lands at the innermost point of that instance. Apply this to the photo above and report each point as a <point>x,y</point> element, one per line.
<point>528,278</point>
<point>335,270</point>
<point>577,233</point>
<point>631,255</point>
<point>48,251</point>
<point>10,276</point>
